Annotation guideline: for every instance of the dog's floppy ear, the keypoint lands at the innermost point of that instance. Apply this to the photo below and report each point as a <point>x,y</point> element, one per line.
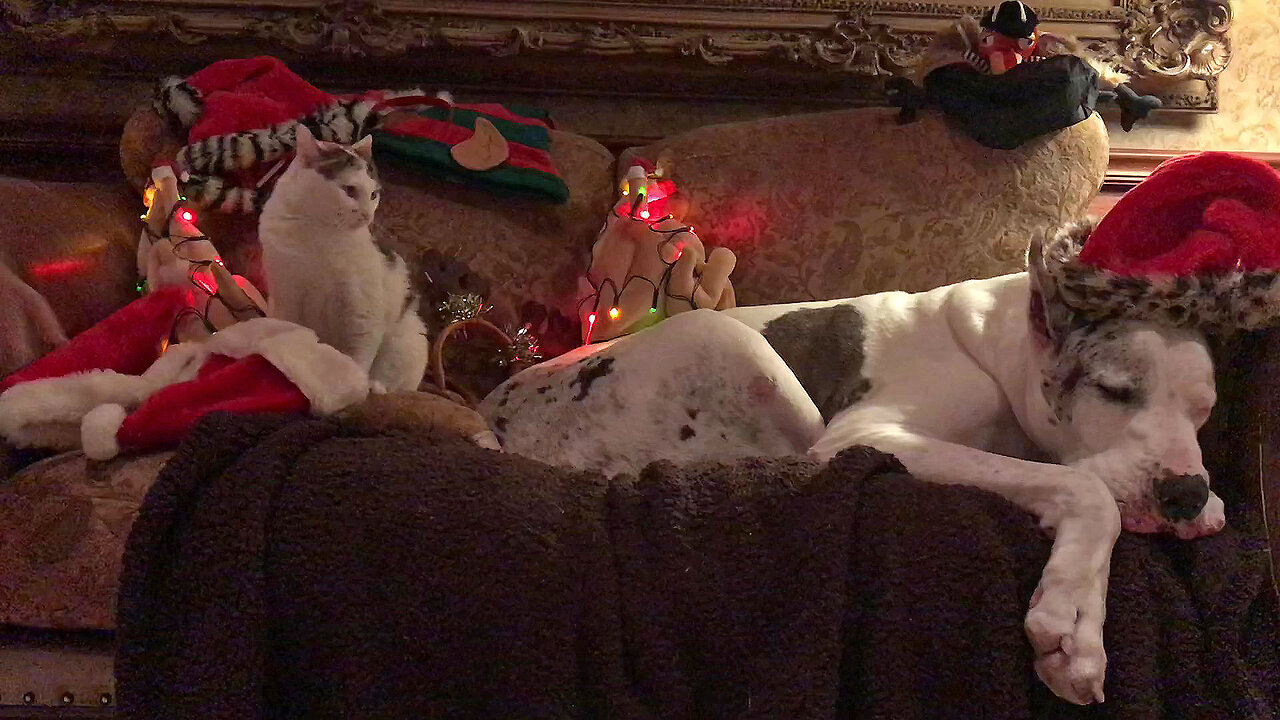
<point>1051,318</point>
<point>1038,321</point>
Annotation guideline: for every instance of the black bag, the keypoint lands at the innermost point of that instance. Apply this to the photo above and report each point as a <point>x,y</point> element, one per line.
<point>1005,111</point>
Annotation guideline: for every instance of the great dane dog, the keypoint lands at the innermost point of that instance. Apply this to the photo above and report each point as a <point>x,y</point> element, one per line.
<point>1090,426</point>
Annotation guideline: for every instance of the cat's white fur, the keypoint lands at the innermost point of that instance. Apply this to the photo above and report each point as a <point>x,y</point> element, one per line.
<point>324,271</point>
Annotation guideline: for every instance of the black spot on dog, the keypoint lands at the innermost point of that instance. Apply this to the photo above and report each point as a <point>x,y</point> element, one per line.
<point>591,371</point>
<point>503,401</point>
<point>543,390</point>
<point>686,432</point>
<point>693,413</point>
<point>723,436</point>
<point>824,348</point>
<point>500,423</point>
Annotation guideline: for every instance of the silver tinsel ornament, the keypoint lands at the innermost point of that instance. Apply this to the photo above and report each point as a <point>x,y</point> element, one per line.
<point>462,306</point>
<point>523,349</point>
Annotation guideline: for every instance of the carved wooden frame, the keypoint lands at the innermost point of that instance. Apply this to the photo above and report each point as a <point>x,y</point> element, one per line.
<point>1174,48</point>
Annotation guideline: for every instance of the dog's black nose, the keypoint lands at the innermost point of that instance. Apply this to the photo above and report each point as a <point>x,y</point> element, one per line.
<point>1182,497</point>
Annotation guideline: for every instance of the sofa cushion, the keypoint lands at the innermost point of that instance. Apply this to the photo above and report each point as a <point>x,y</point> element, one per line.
<point>526,251</point>
<point>74,243</point>
<point>63,526</point>
<point>847,203</point>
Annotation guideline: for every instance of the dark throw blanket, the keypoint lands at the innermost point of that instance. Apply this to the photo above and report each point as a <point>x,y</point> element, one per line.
<point>284,569</point>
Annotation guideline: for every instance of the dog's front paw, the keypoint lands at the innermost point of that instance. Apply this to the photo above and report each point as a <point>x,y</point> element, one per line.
<point>1064,625</point>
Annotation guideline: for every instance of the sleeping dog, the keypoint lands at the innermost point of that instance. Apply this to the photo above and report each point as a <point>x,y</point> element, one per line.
<point>1090,426</point>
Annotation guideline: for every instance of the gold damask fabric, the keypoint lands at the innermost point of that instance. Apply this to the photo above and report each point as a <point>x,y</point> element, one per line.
<point>63,526</point>
<point>847,203</point>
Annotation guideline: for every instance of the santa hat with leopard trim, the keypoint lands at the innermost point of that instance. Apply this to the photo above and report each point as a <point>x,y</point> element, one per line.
<point>1196,244</point>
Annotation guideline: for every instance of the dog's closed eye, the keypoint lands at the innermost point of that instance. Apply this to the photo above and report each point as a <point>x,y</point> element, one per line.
<point>1122,394</point>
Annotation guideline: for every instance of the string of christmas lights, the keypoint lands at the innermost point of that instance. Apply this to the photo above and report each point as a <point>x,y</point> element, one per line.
<point>659,288</point>
<point>197,267</point>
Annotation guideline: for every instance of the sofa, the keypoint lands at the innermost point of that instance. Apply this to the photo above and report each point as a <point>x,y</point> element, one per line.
<point>814,206</point>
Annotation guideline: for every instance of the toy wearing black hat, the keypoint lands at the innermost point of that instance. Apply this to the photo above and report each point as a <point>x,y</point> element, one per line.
<point>1008,36</point>
<point>1003,81</point>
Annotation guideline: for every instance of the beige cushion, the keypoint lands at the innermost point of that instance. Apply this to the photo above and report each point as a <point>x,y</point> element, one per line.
<point>63,526</point>
<point>74,243</point>
<point>847,203</point>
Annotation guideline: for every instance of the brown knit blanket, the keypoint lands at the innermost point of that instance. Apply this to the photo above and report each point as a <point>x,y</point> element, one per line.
<point>299,569</point>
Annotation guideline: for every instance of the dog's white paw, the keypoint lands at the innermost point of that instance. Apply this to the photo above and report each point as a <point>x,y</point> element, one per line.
<point>376,387</point>
<point>1064,625</point>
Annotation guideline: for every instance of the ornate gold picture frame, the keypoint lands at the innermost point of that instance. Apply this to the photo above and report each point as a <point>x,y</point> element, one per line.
<point>1175,48</point>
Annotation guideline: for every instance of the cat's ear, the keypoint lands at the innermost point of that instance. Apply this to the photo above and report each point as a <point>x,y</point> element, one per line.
<point>308,148</point>
<point>364,148</point>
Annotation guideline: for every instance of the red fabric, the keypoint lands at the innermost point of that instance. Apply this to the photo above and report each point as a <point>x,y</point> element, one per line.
<point>128,341</point>
<point>248,94</point>
<point>223,384</point>
<point>521,156</point>
<point>491,109</point>
<point>1203,213</point>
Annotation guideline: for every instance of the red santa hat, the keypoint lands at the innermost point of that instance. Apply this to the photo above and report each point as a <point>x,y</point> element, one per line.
<point>91,393</point>
<point>1195,244</point>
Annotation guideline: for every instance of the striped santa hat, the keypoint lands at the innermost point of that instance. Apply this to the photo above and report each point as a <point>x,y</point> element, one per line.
<point>240,118</point>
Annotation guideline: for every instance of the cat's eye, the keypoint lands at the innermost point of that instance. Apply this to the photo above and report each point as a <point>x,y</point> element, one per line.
<point>350,190</point>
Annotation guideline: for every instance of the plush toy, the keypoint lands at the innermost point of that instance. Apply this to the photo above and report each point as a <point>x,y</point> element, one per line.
<point>646,265</point>
<point>172,252</point>
<point>1003,81</point>
<point>1008,37</point>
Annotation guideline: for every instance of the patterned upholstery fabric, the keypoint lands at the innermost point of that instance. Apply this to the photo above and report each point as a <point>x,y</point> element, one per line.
<point>849,203</point>
<point>63,525</point>
<point>526,251</point>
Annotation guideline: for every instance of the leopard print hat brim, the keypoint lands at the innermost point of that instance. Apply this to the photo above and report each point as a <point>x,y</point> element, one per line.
<point>1075,293</point>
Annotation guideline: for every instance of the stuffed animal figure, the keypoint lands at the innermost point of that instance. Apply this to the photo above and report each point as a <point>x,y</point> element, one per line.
<point>172,252</point>
<point>1003,81</point>
<point>1008,37</point>
<point>646,265</point>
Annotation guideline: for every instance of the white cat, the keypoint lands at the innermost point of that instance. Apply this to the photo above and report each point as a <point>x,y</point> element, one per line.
<point>325,271</point>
